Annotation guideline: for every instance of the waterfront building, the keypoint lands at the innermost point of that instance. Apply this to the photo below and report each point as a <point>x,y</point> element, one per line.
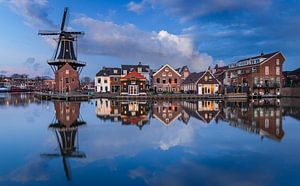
<point>108,80</point>
<point>64,63</point>
<point>166,79</point>
<point>133,84</point>
<point>142,69</point>
<point>202,83</point>
<point>261,74</point>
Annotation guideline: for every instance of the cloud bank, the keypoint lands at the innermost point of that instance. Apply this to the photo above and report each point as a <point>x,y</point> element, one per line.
<point>129,42</point>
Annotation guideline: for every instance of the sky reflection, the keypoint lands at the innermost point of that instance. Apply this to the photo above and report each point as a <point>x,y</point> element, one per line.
<point>141,143</point>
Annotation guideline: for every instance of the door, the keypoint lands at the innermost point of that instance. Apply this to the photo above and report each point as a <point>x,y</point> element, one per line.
<point>200,89</point>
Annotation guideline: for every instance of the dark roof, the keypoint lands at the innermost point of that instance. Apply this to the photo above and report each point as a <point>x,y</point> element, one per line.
<point>105,71</point>
<point>260,56</point>
<point>294,72</point>
<point>193,78</point>
<point>184,67</point>
<point>130,68</point>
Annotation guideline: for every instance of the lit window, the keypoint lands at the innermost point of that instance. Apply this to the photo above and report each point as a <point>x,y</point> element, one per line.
<point>67,72</point>
<point>277,62</point>
<point>277,71</point>
<point>267,70</point>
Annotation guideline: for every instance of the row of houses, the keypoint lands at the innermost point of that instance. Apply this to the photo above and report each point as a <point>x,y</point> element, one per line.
<point>261,74</point>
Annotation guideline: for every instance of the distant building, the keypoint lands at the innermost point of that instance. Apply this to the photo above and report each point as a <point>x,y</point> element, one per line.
<point>108,80</point>
<point>133,84</point>
<point>166,79</point>
<point>202,83</point>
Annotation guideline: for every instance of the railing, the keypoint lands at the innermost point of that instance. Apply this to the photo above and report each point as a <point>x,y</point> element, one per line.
<point>266,85</point>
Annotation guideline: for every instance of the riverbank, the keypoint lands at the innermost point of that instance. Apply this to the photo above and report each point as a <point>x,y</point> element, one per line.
<point>86,97</point>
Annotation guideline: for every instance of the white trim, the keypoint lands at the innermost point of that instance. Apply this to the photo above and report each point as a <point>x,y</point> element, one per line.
<point>166,65</point>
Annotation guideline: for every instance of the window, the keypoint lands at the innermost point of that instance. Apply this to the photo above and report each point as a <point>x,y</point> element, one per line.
<point>175,80</point>
<point>277,71</point>
<point>167,69</point>
<point>115,71</point>
<point>124,72</point>
<point>116,79</point>
<point>73,79</point>
<point>277,62</point>
<point>99,80</point>
<point>157,80</point>
<point>170,74</point>
<point>139,69</point>
<point>164,81</point>
<point>105,80</point>
<point>267,70</point>
<point>163,74</point>
<point>67,80</point>
<point>205,78</point>
<point>67,72</point>
<point>170,80</point>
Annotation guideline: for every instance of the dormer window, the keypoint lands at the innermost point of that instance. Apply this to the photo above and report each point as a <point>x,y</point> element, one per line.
<point>139,69</point>
<point>205,78</point>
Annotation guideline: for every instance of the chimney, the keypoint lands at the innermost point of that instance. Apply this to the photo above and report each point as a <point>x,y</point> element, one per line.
<point>140,63</point>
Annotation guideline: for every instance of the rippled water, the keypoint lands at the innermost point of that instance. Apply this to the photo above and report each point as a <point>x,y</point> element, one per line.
<point>232,142</point>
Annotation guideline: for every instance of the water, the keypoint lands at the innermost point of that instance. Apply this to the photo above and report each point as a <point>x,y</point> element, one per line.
<point>105,142</point>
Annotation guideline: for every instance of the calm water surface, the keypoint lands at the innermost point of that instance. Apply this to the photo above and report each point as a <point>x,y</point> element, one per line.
<point>105,142</point>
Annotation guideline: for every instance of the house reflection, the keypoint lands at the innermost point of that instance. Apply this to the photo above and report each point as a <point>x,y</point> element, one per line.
<point>127,112</point>
<point>204,110</point>
<point>65,126</point>
<point>17,99</point>
<point>262,117</point>
<point>135,113</point>
<point>167,111</point>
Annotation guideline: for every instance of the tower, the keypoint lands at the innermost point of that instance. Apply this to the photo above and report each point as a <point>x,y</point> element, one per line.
<point>64,63</point>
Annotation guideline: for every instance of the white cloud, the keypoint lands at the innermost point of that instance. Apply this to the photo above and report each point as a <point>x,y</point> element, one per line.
<point>136,7</point>
<point>35,12</point>
<point>128,42</point>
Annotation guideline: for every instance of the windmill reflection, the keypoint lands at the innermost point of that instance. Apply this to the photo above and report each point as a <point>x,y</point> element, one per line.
<point>65,126</point>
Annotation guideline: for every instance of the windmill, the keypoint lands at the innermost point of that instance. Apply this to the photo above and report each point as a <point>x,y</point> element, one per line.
<point>65,53</point>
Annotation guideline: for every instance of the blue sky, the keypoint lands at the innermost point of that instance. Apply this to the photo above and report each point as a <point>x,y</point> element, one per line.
<point>199,33</point>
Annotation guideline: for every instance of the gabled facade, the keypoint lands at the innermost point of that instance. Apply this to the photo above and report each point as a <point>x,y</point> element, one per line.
<point>133,84</point>
<point>66,79</point>
<point>203,83</point>
<point>166,79</point>
<point>108,80</point>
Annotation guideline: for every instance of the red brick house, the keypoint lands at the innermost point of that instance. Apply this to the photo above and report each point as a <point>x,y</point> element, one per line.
<point>133,84</point>
<point>261,74</point>
<point>66,79</point>
<point>166,79</point>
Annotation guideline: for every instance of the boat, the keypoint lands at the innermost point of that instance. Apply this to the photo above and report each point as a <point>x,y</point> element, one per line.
<point>4,89</point>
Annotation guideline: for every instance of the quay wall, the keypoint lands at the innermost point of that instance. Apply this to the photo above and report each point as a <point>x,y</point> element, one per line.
<point>290,92</point>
